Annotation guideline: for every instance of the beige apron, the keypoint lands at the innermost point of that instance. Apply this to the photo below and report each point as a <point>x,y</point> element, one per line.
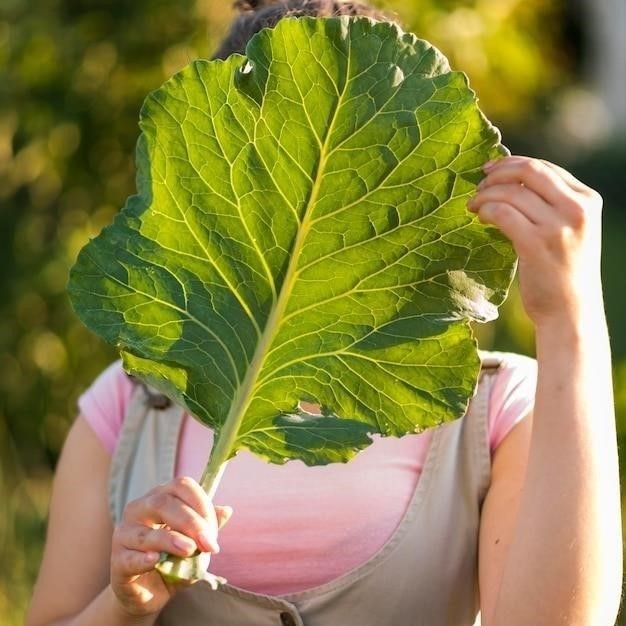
<point>425,575</point>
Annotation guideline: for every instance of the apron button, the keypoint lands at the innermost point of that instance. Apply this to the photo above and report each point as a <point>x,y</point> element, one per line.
<point>286,619</point>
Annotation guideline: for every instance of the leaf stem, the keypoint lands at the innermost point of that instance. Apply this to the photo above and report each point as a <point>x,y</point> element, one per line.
<point>175,569</point>
<point>213,471</point>
<point>225,438</point>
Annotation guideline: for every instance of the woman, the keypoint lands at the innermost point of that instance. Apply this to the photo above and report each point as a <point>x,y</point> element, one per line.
<point>513,510</point>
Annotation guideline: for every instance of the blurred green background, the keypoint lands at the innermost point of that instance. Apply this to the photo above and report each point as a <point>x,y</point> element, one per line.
<point>73,74</point>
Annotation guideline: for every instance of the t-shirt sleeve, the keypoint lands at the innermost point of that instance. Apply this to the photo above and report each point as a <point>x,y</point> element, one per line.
<point>103,404</point>
<point>512,395</point>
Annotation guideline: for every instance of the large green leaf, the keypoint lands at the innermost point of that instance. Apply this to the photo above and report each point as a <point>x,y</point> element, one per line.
<point>300,234</point>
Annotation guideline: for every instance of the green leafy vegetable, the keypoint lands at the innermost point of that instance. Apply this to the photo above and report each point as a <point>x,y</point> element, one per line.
<point>300,235</point>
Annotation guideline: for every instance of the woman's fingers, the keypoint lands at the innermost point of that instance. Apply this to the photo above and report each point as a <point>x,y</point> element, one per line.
<point>162,539</point>
<point>517,196</point>
<point>542,179</point>
<point>548,196</point>
<point>180,505</point>
<point>569,178</point>
<point>133,563</point>
<point>509,220</point>
<point>192,494</point>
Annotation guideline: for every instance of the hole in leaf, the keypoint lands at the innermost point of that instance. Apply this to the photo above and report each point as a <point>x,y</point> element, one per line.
<point>309,407</point>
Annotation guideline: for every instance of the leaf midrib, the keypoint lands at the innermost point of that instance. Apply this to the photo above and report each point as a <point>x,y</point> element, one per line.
<point>227,437</point>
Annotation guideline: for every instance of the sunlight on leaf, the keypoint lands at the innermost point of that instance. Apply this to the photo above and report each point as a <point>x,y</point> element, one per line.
<point>300,234</point>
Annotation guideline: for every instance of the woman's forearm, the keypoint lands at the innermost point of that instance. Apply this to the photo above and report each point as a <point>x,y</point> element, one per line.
<point>566,555</point>
<point>105,610</point>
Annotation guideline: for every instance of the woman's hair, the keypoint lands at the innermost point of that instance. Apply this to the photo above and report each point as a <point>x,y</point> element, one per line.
<point>257,14</point>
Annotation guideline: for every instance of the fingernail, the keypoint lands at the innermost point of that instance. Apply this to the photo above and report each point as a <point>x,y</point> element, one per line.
<point>487,166</point>
<point>482,183</point>
<point>471,204</point>
<point>150,557</point>
<point>224,514</point>
<point>183,544</point>
<point>209,542</point>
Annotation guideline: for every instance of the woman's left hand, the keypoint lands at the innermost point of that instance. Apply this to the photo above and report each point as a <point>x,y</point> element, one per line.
<point>554,222</point>
<point>551,542</point>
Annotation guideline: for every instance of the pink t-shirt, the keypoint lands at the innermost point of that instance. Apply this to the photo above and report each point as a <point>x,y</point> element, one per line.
<point>296,527</point>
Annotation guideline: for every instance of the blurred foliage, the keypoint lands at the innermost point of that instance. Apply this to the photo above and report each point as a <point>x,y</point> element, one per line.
<point>73,74</point>
<point>511,49</point>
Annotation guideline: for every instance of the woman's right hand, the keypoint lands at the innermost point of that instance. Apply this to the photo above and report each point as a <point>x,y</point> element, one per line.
<point>177,518</point>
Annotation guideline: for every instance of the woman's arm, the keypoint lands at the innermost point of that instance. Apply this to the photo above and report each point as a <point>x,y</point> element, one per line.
<point>551,550</point>
<point>74,572</point>
<point>95,575</point>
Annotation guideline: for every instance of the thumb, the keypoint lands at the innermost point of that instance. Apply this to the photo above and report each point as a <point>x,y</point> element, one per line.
<point>223,514</point>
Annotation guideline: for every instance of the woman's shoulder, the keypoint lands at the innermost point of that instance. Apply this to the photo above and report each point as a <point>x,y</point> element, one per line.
<point>512,391</point>
<point>511,362</point>
<point>103,404</point>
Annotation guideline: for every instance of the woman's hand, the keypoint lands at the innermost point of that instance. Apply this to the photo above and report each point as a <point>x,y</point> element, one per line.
<point>176,518</point>
<point>551,546</point>
<point>553,221</point>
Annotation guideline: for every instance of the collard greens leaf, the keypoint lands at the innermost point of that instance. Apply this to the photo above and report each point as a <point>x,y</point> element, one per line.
<point>300,234</point>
